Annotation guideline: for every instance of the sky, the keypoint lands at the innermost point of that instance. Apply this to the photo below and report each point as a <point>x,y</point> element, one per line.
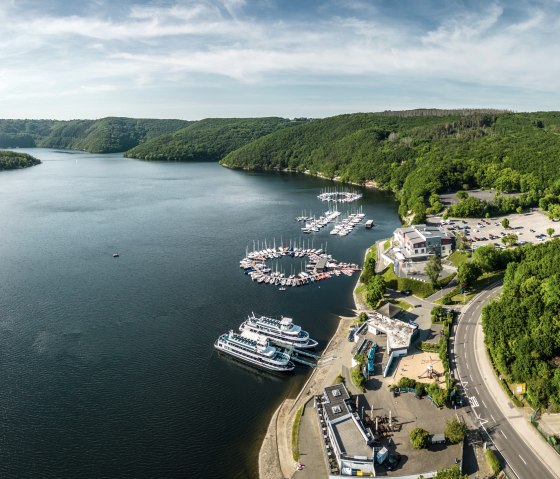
<point>194,59</point>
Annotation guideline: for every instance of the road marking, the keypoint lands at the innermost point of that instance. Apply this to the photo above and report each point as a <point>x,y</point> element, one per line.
<point>467,364</point>
<point>473,401</point>
<point>484,404</point>
<point>503,434</point>
<point>492,418</point>
<point>522,460</point>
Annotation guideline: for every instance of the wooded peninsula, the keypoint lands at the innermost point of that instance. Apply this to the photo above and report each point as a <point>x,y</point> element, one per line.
<point>10,160</point>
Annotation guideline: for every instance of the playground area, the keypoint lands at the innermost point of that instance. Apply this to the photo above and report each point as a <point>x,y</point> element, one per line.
<point>423,367</point>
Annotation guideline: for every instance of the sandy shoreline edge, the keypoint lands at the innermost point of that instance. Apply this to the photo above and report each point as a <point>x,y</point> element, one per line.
<point>275,455</point>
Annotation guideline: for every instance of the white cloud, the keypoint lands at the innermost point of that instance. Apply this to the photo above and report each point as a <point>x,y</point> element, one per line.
<point>42,55</point>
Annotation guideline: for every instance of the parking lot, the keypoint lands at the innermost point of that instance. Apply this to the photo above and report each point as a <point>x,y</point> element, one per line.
<point>529,227</point>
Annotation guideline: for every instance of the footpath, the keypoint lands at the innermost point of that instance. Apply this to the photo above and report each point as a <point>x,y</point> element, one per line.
<point>275,457</point>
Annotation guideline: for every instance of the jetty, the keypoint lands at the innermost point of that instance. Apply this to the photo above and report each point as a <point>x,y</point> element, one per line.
<point>347,225</point>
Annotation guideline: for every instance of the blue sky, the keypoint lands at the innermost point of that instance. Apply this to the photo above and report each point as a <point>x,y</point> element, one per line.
<point>194,59</point>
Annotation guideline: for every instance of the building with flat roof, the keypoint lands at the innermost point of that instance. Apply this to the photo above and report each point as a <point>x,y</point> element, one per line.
<point>420,241</point>
<point>346,439</point>
<point>399,334</point>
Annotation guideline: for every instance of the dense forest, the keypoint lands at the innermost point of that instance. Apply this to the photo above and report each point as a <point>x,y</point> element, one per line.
<point>417,154</point>
<point>522,328</point>
<point>107,135</point>
<point>420,154</point>
<point>10,160</point>
<point>208,140</point>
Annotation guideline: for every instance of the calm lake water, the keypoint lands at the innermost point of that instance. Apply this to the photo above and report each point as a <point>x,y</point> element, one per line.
<point>107,366</point>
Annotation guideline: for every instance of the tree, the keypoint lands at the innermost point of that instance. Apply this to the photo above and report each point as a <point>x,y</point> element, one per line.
<point>467,274</point>
<point>419,438</point>
<point>519,210</point>
<point>487,258</point>
<point>368,272</point>
<point>455,431</point>
<point>550,232</point>
<point>505,223</point>
<point>362,317</point>
<point>433,269</point>
<point>461,241</point>
<point>510,240</point>
<point>462,195</point>
<point>375,290</point>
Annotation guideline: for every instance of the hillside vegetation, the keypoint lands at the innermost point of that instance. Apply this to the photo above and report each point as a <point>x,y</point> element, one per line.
<point>10,160</point>
<point>208,140</point>
<point>522,328</point>
<point>107,135</point>
<point>419,154</point>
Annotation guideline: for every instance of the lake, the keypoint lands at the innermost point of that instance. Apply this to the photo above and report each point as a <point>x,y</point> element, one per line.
<point>107,365</point>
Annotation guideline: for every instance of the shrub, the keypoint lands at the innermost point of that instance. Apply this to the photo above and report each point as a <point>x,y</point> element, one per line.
<point>358,378</point>
<point>407,383</point>
<point>419,438</point>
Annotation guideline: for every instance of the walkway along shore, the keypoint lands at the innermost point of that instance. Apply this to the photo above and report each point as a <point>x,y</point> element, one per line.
<point>275,456</point>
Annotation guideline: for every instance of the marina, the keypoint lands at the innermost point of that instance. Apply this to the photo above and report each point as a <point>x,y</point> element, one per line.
<point>317,266</point>
<point>347,225</point>
<point>339,196</point>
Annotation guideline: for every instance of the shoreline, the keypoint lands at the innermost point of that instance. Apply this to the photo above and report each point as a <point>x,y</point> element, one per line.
<point>275,454</point>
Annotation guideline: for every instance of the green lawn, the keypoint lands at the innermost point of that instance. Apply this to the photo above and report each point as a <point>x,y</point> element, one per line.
<point>401,304</point>
<point>418,288</point>
<point>458,258</point>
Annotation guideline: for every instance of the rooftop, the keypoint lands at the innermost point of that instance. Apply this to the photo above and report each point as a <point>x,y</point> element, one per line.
<point>389,310</point>
<point>350,439</point>
<point>399,333</point>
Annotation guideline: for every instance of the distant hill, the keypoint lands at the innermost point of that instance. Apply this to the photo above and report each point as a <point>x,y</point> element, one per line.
<point>420,153</point>
<point>10,160</point>
<point>208,140</point>
<point>107,135</point>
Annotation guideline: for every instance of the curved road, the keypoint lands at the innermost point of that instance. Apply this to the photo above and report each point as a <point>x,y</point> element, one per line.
<point>524,451</point>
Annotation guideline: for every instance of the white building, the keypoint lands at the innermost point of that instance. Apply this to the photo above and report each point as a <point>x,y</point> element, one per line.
<point>419,241</point>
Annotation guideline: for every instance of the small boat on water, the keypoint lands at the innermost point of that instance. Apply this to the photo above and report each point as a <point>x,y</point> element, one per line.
<point>115,255</point>
<point>255,349</point>
<point>280,331</point>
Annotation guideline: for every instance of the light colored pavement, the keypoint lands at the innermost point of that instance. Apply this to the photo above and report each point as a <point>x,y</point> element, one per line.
<point>442,292</point>
<point>310,446</point>
<point>527,455</point>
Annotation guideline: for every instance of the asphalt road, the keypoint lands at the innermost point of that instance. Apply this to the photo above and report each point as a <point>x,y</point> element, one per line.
<point>522,461</point>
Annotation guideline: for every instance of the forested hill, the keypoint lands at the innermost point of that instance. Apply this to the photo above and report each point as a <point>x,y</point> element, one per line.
<point>208,140</point>
<point>421,153</point>
<point>107,135</point>
<point>522,328</point>
<point>10,160</point>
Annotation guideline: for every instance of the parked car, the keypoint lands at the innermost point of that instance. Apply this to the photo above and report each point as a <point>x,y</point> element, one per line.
<point>407,292</point>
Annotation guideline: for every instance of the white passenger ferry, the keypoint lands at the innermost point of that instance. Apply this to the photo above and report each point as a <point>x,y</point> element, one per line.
<point>280,331</point>
<point>255,349</point>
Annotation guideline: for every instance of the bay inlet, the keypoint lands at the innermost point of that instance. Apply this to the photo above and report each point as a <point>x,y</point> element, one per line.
<point>107,364</point>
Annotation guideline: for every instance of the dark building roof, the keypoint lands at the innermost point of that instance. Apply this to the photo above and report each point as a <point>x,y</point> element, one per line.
<point>389,310</point>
